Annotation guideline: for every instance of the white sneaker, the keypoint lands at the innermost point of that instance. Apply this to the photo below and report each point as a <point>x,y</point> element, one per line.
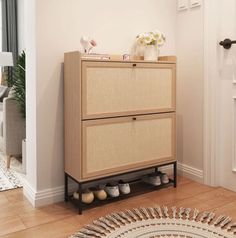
<point>112,190</point>
<point>124,187</point>
<point>164,178</point>
<point>153,180</point>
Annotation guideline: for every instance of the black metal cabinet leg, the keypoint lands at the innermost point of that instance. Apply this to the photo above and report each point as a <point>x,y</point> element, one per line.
<point>66,188</point>
<point>80,198</point>
<point>175,174</point>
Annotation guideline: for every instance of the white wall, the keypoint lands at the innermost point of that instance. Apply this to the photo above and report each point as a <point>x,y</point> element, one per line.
<point>190,53</point>
<point>30,40</point>
<point>21,24</point>
<point>59,26</point>
<point>1,26</point>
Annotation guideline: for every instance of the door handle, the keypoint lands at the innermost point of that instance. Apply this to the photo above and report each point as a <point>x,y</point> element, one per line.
<point>227,43</point>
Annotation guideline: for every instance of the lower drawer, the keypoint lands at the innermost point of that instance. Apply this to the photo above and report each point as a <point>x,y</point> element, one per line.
<point>116,145</point>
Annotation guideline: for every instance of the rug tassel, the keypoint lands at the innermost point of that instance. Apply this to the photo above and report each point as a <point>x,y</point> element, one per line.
<point>219,220</point>
<point>118,218</point>
<point>80,235</point>
<point>195,214</point>
<point>102,225</point>
<point>225,222</point>
<point>204,216</point>
<point>152,212</point>
<point>145,212</point>
<point>112,219</point>
<point>174,212</point>
<point>124,216</point>
<point>232,227</point>
<point>88,232</point>
<point>187,212</point>
<point>165,211</point>
<point>131,214</point>
<point>181,212</point>
<point>158,211</point>
<point>107,222</point>
<point>210,217</point>
<point>95,228</point>
<point>138,213</point>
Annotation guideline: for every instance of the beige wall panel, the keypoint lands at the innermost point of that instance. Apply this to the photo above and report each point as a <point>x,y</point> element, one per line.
<point>114,145</point>
<point>116,89</point>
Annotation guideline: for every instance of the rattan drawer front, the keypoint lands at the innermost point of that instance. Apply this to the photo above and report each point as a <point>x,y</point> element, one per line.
<point>114,89</point>
<point>114,145</point>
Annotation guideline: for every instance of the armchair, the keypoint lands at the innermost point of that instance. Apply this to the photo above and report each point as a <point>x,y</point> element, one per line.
<point>12,128</point>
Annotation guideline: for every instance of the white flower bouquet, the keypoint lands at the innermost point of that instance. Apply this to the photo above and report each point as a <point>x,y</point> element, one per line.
<point>151,38</point>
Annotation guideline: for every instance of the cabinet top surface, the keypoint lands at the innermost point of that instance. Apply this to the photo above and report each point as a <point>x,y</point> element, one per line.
<point>118,59</point>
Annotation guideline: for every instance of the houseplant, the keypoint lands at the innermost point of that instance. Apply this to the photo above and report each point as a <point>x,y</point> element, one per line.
<point>19,83</point>
<point>19,96</point>
<point>151,41</point>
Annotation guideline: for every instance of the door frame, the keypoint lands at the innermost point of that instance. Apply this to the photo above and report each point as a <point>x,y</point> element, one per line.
<point>211,87</point>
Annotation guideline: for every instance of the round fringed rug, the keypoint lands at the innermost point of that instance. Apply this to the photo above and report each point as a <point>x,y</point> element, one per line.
<point>160,222</point>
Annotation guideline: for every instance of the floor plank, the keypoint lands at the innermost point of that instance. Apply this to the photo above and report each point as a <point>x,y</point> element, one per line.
<point>18,219</point>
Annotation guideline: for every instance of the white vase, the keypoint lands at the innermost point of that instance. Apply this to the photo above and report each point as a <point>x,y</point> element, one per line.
<point>151,53</point>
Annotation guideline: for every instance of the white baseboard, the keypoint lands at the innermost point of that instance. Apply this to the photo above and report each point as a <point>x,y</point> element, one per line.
<point>49,196</point>
<point>53,195</point>
<point>46,196</point>
<point>190,172</point>
<point>186,171</point>
<point>29,192</point>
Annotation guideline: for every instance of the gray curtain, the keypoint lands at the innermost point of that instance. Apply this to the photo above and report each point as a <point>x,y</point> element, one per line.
<point>9,30</point>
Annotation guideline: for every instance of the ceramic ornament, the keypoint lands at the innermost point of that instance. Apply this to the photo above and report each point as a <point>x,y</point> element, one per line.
<point>88,44</point>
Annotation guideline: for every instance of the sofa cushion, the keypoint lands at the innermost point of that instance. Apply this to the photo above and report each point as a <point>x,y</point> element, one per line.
<point>1,123</point>
<point>3,92</point>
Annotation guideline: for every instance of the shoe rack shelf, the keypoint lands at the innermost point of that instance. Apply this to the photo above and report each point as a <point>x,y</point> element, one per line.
<point>137,186</point>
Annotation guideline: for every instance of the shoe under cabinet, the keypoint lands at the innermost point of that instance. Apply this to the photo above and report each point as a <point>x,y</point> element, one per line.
<point>119,118</point>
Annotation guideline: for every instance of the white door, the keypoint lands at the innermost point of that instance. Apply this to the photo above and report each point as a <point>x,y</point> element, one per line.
<point>226,96</point>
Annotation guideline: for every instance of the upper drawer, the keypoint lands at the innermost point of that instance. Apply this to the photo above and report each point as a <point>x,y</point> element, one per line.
<point>116,89</point>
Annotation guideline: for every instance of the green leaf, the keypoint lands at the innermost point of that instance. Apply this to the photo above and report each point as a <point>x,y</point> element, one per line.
<point>18,82</point>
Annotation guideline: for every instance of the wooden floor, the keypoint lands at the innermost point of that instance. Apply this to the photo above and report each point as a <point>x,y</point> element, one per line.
<point>19,219</point>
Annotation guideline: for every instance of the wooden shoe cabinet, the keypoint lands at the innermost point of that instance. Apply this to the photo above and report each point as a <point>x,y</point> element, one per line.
<point>119,117</point>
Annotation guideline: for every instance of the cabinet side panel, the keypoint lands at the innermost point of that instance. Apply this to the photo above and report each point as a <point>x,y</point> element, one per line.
<point>72,114</point>
<point>174,86</point>
<point>174,103</point>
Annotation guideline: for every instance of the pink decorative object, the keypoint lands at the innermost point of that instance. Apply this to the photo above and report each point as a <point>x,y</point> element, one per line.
<point>93,43</point>
<point>126,57</point>
<point>88,44</point>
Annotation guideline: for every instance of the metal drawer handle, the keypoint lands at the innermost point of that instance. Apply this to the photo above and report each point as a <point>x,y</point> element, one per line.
<point>134,65</point>
<point>134,118</point>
